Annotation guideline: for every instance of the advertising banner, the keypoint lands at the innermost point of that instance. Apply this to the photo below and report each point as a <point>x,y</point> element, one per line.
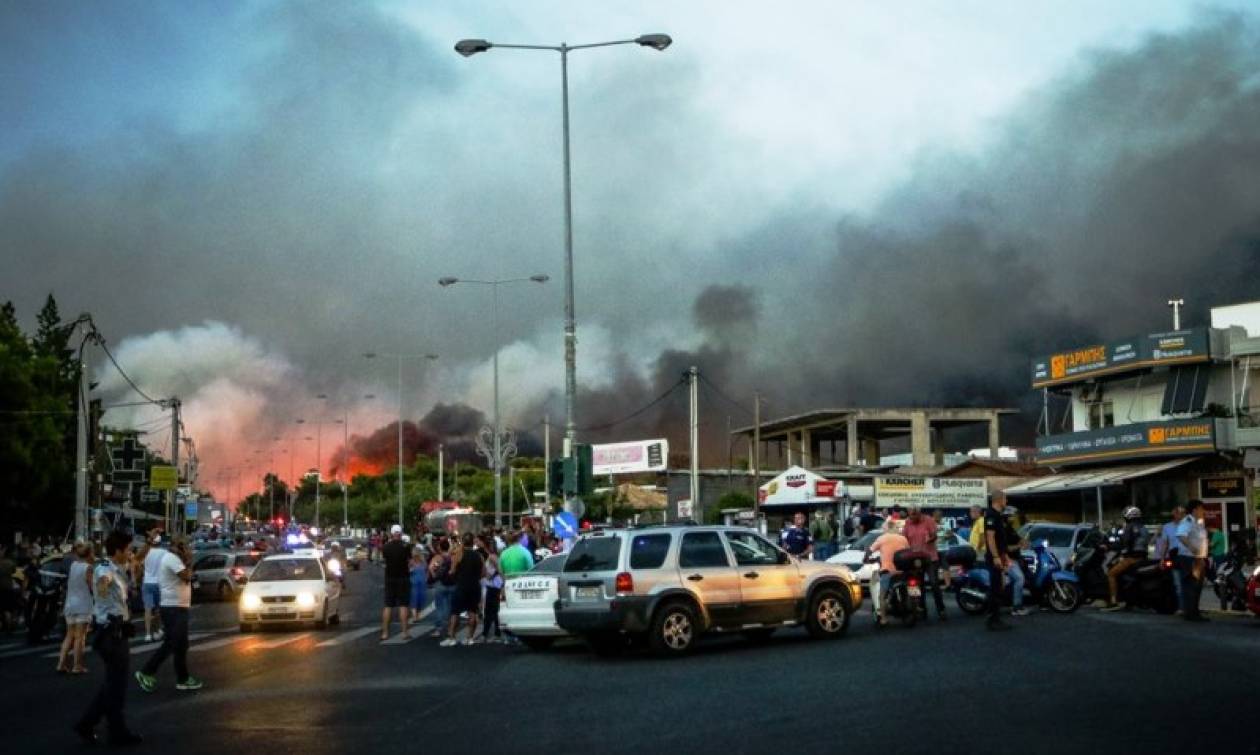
<point>1163,438</point>
<point>931,492</point>
<point>628,458</point>
<point>798,486</point>
<point>1175,347</point>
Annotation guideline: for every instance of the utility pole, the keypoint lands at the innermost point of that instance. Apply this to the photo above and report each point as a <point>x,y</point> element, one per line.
<point>693,380</point>
<point>81,529</point>
<point>400,442</point>
<point>1176,305</point>
<point>511,493</point>
<point>345,484</point>
<point>174,404</point>
<point>441,471</point>
<point>756,455</point>
<point>547,461</point>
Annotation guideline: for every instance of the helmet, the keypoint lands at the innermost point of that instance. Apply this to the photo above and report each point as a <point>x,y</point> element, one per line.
<point>1133,512</point>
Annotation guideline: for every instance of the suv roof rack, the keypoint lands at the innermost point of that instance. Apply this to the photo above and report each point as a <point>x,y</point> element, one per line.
<point>650,525</point>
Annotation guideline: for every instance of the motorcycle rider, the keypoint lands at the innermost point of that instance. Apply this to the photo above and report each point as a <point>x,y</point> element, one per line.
<point>1132,549</point>
<point>885,546</point>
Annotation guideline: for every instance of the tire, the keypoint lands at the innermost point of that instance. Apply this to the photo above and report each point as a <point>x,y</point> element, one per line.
<point>537,643</point>
<point>675,630</point>
<point>758,635</point>
<point>970,604</point>
<point>829,612</point>
<point>1064,597</point>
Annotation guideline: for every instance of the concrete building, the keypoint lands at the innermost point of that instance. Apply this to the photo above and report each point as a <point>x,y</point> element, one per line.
<point>1152,421</point>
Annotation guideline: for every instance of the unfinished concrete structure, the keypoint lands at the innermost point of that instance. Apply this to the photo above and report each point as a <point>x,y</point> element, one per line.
<point>862,430</point>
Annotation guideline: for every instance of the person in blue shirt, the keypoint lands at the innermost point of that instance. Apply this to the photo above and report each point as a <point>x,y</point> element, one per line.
<point>795,537</point>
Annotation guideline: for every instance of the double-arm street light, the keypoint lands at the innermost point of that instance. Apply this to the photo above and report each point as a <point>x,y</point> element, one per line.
<point>499,449</point>
<point>400,358</point>
<point>470,47</point>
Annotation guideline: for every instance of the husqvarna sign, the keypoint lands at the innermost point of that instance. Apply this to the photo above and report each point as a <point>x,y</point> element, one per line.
<point>931,492</point>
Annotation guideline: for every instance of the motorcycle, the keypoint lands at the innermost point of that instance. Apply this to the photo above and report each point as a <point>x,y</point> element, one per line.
<point>1230,584</point>
<point>1147,584</point>
<point>905,599</point>
<point>47,594</point>
<point>1051,584</point>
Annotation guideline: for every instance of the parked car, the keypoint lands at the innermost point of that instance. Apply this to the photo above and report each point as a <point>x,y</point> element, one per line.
<point>529,604</point>
<point>1062,539</point>
<point>669,584</point>
<point>223,574</point>
<point>290,588</point>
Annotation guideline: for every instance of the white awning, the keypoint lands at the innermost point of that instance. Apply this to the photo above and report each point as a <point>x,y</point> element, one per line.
<point>1092,478</point>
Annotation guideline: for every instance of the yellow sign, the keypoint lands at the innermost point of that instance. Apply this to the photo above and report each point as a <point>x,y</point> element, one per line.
<point>163,478</point>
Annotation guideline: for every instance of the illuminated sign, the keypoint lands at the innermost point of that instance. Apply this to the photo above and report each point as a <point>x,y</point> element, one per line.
<point>1166,438</point>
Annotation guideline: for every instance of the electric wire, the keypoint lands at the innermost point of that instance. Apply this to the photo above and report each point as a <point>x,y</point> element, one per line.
<point>638,412</point>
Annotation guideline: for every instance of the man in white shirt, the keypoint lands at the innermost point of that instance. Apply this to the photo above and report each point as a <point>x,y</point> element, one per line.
<point>175,581</point>
<point>1167,546</point>
<point>1192,559</point>
<point>150,591</point>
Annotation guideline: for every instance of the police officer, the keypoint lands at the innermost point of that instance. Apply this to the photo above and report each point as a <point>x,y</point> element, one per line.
<point>112,631</point>
<point>795,537</point>
<point>996,559</point>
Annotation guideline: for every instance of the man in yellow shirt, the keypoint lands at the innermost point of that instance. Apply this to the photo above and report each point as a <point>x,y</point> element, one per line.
<point>976,537</point>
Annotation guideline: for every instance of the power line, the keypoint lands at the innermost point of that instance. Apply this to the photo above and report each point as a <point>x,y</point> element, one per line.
<point>634,414</point>
<point>722,395</point>
<point>124,374</point>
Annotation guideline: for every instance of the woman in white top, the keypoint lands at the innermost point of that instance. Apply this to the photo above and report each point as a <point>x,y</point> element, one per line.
<point>78,610</point>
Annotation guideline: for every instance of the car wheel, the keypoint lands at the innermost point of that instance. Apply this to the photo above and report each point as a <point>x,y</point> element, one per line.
<point>538,643</point>
<point>674,629</point>
<point>828,613</point>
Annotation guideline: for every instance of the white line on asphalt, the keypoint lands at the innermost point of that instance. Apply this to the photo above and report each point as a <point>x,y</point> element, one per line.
<point>138,649</point>
<point>413,632</point>
<point>347,637</point>
<point>278,642</point>
<point>218,643</point>
<point>26,651</point>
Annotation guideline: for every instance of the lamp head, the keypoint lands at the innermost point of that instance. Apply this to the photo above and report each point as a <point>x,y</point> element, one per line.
<point>444,282</point>
<point>655,41</point>
<point>470,47</point>
<point>540,278</point>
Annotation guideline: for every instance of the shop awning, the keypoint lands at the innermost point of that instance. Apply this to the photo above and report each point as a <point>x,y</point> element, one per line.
<point>1092,478</point>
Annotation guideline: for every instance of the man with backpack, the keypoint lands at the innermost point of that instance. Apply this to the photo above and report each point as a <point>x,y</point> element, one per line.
<point>1132,547</point>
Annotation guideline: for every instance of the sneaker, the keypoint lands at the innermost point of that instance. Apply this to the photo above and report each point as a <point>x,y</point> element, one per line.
<point>447,643</point>
<point>147,683</point>
<point>191,682</point>
<point>476,641</point>
<point>1021,611</point>
<point>1112,608</point>
<point>158,635</point>
<point>466,642</point>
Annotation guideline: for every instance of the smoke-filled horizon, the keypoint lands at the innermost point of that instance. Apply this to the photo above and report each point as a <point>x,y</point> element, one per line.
<point>245,255</point>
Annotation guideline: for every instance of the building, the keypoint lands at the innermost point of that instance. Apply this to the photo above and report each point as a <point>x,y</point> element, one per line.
<point>1151,421</point>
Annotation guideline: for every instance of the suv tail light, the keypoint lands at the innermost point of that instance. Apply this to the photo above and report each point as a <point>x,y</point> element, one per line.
<point>624,583</point>
<point>913,582</point>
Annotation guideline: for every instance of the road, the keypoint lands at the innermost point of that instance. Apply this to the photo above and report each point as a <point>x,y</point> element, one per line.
<point>1082,683</point>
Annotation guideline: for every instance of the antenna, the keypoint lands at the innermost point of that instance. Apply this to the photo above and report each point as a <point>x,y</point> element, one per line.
<point>1176,305</point>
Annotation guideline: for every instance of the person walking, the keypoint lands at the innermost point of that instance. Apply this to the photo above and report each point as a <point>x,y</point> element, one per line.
<point>995,558</point>
<point>492,583</point>
<point>419,573</point>
<point>468,568</point>
<point>78,609</point>
<point>397,556</point>
<point>822,533</point>
<point>110,640</point>
<point>1192,561</point>
<point>920,532</point>
<point>150,591</point>
<point>442,580</point>
<point>175,581</point>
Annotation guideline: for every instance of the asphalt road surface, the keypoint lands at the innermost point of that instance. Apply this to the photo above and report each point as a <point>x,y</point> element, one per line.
<point>1085,683</point>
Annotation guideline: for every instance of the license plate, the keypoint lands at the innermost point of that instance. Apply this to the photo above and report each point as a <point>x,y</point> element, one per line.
<point>277,609</point>
<point>530,594</point>
<point>915,592</point>
<point>586,593</point>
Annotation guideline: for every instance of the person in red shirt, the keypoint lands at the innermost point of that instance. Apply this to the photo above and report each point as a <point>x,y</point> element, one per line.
<point>920,531</point>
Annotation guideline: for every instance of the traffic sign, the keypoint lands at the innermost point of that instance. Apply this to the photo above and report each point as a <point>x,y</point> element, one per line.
<point>149,495</point>
<point>564,525</point>
<point>190,510</point>
<point>163,477</point>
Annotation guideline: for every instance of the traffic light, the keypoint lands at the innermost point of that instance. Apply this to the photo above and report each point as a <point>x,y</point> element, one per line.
<point>585,478</point>
<point>572,476</point>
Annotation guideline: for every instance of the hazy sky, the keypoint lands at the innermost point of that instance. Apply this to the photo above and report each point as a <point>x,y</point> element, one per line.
<point>248,196</point>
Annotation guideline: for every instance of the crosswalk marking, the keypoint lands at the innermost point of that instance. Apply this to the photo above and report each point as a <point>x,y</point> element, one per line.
<point>211,645</point>
<point>347,637</point>
<point>26,651</point>
<point>268,645</point>
<point>138,649</point>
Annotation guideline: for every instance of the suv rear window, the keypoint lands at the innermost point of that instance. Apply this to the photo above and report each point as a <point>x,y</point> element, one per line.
<point>648,551</point>
<point>594,554</point>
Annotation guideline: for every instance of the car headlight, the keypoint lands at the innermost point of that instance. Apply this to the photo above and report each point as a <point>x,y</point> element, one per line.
<point>251,602</point>
<point>306,600</point>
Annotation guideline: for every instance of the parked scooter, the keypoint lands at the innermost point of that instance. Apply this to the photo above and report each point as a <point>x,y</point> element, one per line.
<point>1054,586</point>
<point>1230,583</point>
<point>1148,584</point>
<point>904,600</point>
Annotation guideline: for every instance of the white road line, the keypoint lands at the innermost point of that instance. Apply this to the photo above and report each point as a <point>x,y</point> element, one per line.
<point>137,650</point>
<point>211,645</point>
<point>27,651</point>
<point>348,637</point>
<point>278,642</point>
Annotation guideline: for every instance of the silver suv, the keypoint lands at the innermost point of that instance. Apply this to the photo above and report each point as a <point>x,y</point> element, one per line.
<point>671,583</point>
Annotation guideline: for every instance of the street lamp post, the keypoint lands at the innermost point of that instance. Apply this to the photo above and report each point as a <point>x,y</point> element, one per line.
<point>400,358</point>
<point>470,47</point>
<point>499,449</point>
<point>319,457</point>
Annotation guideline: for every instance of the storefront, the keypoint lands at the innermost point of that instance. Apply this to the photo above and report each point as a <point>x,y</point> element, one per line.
<point>799,489</point>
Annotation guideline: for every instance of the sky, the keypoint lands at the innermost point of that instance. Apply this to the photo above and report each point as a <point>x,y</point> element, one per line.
<point>832,203</point>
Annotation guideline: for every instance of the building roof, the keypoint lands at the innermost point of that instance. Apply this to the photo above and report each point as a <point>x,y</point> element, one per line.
<point>997,468</point>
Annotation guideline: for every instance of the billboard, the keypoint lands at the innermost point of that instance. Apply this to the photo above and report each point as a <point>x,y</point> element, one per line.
<point>1175,347</point>
<point>931,492</point>
<point>627,458</point>
<point>1164,438</point>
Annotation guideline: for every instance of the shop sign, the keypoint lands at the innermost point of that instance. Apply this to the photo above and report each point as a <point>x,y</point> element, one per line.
<point>1164,438</point>
<point>628,458</point>
<point>1176,347</point>
<point>1222,487</point>
<point>931,492</point>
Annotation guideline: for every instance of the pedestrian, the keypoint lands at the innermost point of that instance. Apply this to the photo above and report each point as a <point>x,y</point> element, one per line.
<point>795,538</point>
<point>1192,559</point>
<point>492,583</point>
<point>920,532</point>
<point>110,637</point>
<point>175,581</point>
<point>515,559</point>
<point>78,610</point>
<point>468,568</point>
<point>996,559</point>
<point>150,591</point>
<point>419,573</point>
<point>1216,547</point>
<point>1167,547</point>
<point>397,556</point>
<point>822,533</point>
<point>442,580</point>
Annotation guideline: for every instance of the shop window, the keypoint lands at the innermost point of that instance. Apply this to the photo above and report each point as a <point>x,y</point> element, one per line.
<point>1101,415</point>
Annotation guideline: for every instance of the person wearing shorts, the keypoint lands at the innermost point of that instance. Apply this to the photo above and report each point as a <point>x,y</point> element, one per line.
<point>397,557</point>
<point>150,588</point>
<point>468,566</point>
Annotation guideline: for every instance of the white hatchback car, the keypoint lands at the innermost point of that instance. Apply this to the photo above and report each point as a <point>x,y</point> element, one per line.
<point>854,554</point>
<point>290,588</point>
<point>529,604</point>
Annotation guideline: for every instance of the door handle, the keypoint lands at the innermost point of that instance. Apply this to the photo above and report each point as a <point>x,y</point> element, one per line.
<point>695,578</point>
<point>751,574</point>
